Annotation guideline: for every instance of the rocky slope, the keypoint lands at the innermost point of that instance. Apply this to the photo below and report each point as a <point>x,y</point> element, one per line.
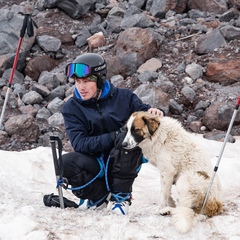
<point>179,57</point>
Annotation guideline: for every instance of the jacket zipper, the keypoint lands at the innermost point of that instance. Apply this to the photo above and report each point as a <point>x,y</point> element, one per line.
<point>101,117</point>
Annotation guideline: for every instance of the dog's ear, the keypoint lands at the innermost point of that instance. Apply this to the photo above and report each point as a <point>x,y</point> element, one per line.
<point>152,123</point>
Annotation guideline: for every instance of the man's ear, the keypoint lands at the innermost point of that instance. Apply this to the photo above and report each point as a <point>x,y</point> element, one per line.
<point>152,123</point>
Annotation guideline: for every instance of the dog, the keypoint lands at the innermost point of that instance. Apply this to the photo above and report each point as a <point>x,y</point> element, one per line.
<point>181,162</point>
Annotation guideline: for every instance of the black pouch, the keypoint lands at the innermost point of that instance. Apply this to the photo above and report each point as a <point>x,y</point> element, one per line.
<point>52,200</point>
<point>123,166</point>
<point>125,163</point>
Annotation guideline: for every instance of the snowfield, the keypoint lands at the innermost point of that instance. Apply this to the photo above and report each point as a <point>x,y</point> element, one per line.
<point>25,177</point>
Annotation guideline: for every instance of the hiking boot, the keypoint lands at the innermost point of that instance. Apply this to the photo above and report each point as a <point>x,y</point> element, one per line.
<point>119,208</point>
<point>119,203</point>
<point>99,204</point>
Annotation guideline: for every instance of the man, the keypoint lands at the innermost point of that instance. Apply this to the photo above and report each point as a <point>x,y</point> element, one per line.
<point>99,169</point>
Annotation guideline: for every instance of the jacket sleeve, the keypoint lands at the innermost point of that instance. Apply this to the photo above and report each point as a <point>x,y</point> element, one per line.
<point>79,135</point>
<point>137,104</point>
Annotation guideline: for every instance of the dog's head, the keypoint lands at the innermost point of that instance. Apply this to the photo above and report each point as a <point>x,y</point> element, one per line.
<point>140,126</point>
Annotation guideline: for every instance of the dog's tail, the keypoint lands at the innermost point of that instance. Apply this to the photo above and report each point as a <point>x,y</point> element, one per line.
<point>184,218</point>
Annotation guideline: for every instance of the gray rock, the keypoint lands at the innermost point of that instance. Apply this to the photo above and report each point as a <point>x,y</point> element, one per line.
<point>49,43</point>
<point>3,137</point>
<point>195,14</point>
<point>19,89</point>
<point>209,42</point>
<point>41,89</point>
<point>137,3</point>
<point>116,11</point>
<point>55,105</point>
<point>174,107</point>
<point>75,8</point>
<point>164,83</point>
<point>188,93</point>
<point>147,76</point>
<point>153,96</point>
<point>23,128</point>
<point>56,120</point>
<point>17,77</point>
<point>49,80</point>
<point>117,80</point>
<point>82,37</point>
<point>202,105</point>
<point>57,92</point>
<point>230,32</point>
<point>32,97</point>
<point>229,15</point>
<point>217,116</point>
<point>43,113</point>
<point>194,70</point>
<point>113,24</point>
<point>137,20</point>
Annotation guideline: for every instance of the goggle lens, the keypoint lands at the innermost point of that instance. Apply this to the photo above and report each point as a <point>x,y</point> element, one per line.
<point>79,69</point>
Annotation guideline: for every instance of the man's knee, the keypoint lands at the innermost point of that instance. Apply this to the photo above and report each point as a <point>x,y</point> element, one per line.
<point>82,173</point>
<point>74,163</point>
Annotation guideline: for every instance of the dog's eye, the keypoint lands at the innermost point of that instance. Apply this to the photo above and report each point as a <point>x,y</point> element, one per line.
<point>136,130</point>
<point>137,134</point>
<point>132,129</point>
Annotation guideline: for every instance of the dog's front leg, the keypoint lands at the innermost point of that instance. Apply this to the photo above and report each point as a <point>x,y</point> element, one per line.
<point>165,194</point>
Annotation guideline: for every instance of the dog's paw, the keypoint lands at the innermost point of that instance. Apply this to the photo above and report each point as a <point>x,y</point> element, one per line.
<point>165,211</point>
<point>202,217</point>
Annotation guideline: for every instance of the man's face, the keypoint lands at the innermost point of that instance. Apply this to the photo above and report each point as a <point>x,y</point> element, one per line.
<point>86,87</point>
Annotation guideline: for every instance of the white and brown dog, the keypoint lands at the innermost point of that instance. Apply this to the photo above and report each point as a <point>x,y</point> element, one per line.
<point>181,161</point>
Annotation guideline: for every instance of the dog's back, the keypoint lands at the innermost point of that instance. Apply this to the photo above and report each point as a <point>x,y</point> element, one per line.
<point>179,147</point>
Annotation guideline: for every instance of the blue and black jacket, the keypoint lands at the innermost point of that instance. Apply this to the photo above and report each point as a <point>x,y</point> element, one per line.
<point>89,123</point>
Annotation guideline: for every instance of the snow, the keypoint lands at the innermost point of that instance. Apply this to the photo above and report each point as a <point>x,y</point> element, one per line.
<point>25,177</point>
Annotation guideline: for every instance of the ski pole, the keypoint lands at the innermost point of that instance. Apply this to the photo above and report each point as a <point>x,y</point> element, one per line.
<point>57,161</point>
<point>221,153</point>
<point>27,25</point>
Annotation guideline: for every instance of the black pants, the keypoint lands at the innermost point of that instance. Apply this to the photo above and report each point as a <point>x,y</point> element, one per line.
<point>79,169</point>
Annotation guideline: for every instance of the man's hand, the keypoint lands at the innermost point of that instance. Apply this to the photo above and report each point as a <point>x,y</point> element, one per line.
<point>116,133</point>
<point>156,112</point>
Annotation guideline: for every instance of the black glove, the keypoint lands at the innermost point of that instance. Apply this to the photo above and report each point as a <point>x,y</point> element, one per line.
<point>53,201</point>
<point>116,133</point>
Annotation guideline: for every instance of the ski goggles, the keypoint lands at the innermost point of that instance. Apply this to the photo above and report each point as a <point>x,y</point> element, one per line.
<point>82,70</point>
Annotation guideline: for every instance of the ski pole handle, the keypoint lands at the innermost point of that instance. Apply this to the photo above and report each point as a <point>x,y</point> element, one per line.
<point>24,26</point>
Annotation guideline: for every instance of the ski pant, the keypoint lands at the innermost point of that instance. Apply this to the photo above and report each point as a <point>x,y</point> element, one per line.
<point>123,167</point>
<point>80,169</point>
